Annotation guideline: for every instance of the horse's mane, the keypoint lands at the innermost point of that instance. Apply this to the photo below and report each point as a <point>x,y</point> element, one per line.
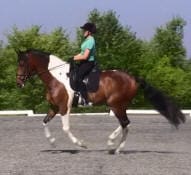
<point>38,52</point>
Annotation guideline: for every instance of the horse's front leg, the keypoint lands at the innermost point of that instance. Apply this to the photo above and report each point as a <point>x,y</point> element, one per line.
<point>48,118</point>
<point>66,129</point>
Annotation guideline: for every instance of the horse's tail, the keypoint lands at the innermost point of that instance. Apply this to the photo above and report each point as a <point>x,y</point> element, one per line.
<point>162,103</point>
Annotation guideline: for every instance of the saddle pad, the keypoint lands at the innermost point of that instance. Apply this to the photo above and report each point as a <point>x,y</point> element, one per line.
<point>92,81</point>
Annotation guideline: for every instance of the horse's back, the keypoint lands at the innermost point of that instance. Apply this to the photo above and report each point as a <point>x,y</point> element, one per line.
<point>116,85</point>
<point>118,78</point>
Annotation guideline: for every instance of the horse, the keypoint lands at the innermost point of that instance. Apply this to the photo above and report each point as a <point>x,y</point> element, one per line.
<point>116,89</point>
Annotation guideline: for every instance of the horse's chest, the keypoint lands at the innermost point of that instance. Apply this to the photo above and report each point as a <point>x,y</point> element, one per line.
<point>59,72</point>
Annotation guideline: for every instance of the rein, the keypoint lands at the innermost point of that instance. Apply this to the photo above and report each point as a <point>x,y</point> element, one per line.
<point>40,73</point>
<point>52,68</point>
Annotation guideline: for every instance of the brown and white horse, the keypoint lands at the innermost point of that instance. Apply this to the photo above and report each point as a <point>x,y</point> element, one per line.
<point>116,89</point>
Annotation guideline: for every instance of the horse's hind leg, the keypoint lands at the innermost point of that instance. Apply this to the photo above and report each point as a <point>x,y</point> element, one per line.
<point>123,140</point>
<point>124,122</point>
<point>52,112</point>
<point>114,136</point>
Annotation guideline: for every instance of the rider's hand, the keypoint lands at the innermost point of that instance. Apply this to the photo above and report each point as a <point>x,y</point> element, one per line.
<point>71,60</point>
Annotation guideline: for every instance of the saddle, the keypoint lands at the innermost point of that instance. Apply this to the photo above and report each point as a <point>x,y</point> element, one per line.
<point>91,80</point>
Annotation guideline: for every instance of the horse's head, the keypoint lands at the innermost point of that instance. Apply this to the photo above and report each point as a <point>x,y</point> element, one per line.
<point>24,69</point>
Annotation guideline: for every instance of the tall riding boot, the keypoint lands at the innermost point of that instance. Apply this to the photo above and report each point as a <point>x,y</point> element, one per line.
<point>84,94</point>
<point>85,97</point>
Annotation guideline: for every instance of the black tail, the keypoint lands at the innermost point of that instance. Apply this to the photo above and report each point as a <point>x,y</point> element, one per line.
<point>163,103</point>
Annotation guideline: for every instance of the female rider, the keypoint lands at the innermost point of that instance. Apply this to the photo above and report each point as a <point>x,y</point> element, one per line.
<point>86,58</point>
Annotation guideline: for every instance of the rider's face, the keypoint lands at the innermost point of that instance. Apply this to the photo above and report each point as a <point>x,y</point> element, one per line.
<point>86,33</point>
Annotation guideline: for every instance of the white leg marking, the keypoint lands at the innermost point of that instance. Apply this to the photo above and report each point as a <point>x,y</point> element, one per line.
<point>123,140</point>
<point>66,129</point>
<point>66,122</point>
<point>48,134</point>
<point>61,75</point>
<point>113,136</point>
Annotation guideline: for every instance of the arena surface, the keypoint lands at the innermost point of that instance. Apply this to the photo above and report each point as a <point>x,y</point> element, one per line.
<point>153,147</point>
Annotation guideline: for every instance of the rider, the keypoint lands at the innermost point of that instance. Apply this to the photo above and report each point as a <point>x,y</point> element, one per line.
<point>86,57</point>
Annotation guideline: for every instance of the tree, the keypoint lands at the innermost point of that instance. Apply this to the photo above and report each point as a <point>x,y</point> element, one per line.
<point>172,80</point>
<point>161,61</point>
<point>56,42</point>
<point>168,41</point>
<point>116,46</point>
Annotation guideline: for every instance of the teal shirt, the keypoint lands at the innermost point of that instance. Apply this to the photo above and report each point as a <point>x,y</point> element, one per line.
<point>89,43</point>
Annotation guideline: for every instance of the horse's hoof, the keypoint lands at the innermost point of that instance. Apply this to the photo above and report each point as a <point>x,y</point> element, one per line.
<point>110,143</point>
<point>52,142</point>
<point>82,144</point>
<point>117,151</point>
<point>114,151</point>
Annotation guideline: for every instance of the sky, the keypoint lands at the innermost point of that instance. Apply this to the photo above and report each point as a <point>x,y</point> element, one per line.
<point>142,16</point>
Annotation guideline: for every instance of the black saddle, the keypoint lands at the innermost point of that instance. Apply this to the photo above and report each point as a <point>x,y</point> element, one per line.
<point>91,80</point>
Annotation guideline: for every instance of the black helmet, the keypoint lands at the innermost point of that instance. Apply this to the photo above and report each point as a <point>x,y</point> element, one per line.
<point>89,27</point>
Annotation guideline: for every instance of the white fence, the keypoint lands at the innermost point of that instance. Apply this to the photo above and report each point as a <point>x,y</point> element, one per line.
<point>30,113</point>
<point>17,112</point>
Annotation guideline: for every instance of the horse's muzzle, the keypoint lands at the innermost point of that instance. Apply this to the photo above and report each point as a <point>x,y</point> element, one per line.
<point>20,81</point>
<point>20,84</point>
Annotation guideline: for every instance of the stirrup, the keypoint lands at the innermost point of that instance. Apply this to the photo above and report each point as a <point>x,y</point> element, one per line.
<point>83,103</point>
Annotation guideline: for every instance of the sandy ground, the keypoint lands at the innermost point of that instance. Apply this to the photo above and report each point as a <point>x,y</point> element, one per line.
<point>153,147</point>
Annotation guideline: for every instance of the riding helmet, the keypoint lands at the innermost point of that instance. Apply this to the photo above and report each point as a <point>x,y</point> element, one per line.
<point>91,27</point>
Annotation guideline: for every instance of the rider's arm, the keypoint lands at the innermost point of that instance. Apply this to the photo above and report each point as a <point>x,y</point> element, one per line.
<point>82,56</point>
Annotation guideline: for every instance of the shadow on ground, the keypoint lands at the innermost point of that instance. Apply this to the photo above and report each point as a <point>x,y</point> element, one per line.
<point>77,151</point>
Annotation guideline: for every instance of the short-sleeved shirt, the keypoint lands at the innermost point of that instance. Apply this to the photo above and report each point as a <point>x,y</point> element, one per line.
<point>89,43</point>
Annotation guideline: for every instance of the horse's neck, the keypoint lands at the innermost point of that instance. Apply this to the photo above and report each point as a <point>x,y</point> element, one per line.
<point>55,62</point>
<point>56,69</point>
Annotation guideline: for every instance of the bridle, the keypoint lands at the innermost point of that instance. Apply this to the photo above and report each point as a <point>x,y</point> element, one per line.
<point>28,74</point>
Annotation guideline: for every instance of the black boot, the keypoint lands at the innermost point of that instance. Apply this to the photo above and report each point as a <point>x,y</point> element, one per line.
<point>76,99</point>
<point>84,100</point>
<point>83,93</point>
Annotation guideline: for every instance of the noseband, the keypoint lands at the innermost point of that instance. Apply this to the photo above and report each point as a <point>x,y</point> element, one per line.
<point>26,75</point>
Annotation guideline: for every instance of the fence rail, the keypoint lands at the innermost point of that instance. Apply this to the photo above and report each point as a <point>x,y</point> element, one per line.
<point>30,113</point>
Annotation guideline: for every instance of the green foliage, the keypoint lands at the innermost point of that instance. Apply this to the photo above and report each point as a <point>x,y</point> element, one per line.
<point>56,42</point>
<point>168,41</point>
<point>160,61</point>
<point>116,46</point>
<point>171,80</point>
